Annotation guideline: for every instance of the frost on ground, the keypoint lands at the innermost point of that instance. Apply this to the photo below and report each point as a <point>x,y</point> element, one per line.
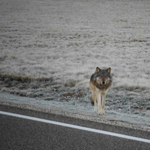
<point>60,43</point>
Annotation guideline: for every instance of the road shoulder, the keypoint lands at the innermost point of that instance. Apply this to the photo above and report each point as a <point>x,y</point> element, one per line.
<point>60,108</point>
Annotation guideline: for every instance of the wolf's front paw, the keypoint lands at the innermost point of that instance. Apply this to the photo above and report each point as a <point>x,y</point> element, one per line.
<point>101,112</point>
<point>95,109</point>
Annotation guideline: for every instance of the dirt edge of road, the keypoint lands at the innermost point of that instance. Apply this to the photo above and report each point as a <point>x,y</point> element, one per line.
<point>108,118</point>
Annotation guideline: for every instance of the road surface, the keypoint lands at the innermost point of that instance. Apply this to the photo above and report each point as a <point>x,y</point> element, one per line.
<point>25,129</point>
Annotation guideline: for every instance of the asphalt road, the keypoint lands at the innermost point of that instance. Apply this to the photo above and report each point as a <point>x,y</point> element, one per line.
<point>25,134</point>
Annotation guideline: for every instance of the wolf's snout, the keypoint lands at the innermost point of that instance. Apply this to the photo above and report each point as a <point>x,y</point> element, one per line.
<point>103,82</point>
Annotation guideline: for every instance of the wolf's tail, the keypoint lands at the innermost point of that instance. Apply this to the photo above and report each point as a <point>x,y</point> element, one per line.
<point>92,101</point>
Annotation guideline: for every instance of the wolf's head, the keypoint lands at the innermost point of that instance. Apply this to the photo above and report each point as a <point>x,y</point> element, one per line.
<point>103,76</point>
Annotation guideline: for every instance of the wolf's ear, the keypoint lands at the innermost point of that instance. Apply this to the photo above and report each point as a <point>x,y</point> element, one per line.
<point>109,70</point>
<point>97,69</point>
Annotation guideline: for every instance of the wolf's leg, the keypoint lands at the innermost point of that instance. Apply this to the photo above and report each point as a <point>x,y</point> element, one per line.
<point>103,102</point>
<point>99,99</point>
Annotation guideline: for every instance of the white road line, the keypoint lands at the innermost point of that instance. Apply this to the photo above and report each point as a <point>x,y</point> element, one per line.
<point>76,127</point>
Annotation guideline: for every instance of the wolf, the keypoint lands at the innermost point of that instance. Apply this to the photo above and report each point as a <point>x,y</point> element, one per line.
<point>100,83</point>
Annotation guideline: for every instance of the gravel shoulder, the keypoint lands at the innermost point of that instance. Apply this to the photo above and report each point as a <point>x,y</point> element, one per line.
<point>76,111</point>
